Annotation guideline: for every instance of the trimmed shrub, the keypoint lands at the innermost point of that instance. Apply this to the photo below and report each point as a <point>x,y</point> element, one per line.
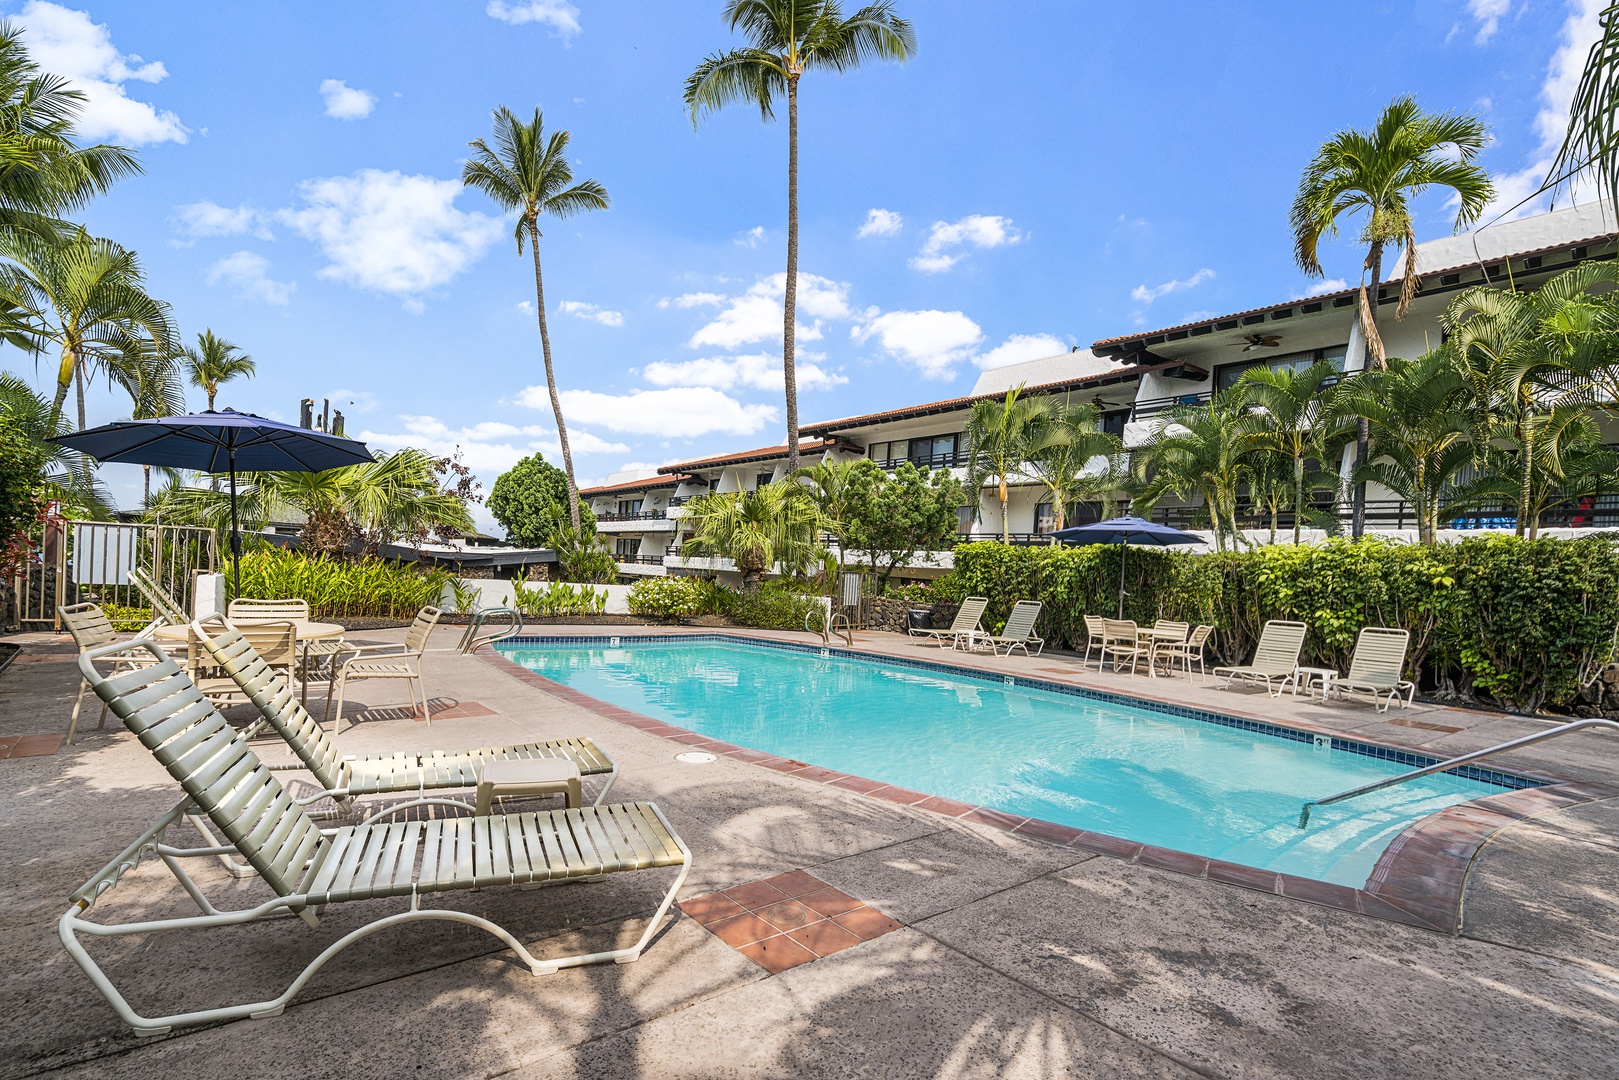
<point>361,589</point>
<point>778,605</point>
<point>558,598</point>
<point>667,597</point>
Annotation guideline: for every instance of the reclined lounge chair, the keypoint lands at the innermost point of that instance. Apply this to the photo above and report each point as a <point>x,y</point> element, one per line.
<point>309,868</point>
<point>965,622</point>
<point>1275,657</point>
<point>1018,633</point>
<point>1378,667</point>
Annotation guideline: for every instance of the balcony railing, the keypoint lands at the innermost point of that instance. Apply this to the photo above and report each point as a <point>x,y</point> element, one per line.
<point>639,515</point>
<point>1153,406</point>
<point>647,560</point>
<point>955,460</point>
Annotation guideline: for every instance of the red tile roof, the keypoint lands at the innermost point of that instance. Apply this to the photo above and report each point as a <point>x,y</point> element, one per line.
<point>646,483</point>
<point>763,453</point>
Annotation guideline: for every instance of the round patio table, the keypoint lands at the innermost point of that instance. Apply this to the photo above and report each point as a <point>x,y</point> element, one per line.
<point>315,642</point>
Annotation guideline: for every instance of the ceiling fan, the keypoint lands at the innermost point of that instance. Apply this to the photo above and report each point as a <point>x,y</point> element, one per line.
<point>1255,341</point>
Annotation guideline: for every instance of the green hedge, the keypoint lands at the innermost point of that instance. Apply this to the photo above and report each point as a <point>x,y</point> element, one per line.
<point>666,597</point>
<point>365,588</point>
<point>1516,623</point>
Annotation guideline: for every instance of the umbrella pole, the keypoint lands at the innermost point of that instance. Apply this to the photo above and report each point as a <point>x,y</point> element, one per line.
<point>1124,549</point>
<point>235,534</point>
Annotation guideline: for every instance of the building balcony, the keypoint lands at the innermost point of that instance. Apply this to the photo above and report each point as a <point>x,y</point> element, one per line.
<point>639,515</point>
<point>619,524</point>
<point>641,565</point>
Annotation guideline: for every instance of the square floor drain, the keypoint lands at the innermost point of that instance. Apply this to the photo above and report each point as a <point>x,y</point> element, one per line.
<point>787,920</point>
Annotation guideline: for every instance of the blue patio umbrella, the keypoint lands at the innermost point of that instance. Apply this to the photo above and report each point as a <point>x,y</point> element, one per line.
<point>1125,530</point>
<point>219,442</point>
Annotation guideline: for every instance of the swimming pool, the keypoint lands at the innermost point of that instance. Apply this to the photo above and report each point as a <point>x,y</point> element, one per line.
<point>1091,761</point>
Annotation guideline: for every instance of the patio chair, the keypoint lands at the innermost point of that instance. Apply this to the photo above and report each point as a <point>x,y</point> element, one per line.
<point>1378,667</point>
<point>1121,640</point>
<point>275,642</point>
<point>344,778</point>
<point>401,661</point>
<point>1275,657</point>
<point>291,610</point>
<point>965,622</point>
<point>1018,632</point>
<point>1095,637</point>
<point>164,606</point>
<point>309,868</point>
<point>91,629</point>
<point>1185,651</point>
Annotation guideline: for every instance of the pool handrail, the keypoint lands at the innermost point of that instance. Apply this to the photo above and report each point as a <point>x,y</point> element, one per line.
<point>471,643</point>
<point>1451,763</point>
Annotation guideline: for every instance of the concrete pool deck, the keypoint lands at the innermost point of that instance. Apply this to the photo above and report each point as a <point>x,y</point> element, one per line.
<point>1014,957</point>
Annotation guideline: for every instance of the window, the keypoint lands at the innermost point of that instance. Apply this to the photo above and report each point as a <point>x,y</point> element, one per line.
<point>1113,422</point>
<point>627,548</point>
<point>629,506</point>
<point>762,480</point>
<point>1226,377</point>
<point>888,453</point>
<point>938,451</point>
<point>964,520</point>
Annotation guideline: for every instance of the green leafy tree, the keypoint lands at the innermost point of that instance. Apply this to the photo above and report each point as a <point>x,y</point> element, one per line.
<point>1420,430</point>
<point>22,483</point>
<point>1577,469</point>
<point>1002,436</point>
<point>1292,424</point>
<point>831,484</point>
<point>154,391</point>
<point>528,172</point>
<point>67,475</point>
<point>215,362</point>
<point>530,500</point>
<point>891,518</point>
<point>1377,173</point>
<point>777,525</point>
<point>1197,450</point>
<point>1077,462</point>
<point>86,298</point>
<point>786,38</point>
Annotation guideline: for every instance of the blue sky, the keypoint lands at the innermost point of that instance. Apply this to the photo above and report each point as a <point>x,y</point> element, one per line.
<point>1048,175</point>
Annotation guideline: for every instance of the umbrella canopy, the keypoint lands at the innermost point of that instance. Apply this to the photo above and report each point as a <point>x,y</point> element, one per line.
<point>218,442</point>
<point>1125,530</point>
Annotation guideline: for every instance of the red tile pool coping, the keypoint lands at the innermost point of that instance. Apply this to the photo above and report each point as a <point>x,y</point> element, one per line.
<point>1419,881</point>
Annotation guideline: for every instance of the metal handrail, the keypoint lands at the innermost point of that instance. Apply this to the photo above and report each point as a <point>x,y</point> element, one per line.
<point>471,643</point>
<point>1527,740</point>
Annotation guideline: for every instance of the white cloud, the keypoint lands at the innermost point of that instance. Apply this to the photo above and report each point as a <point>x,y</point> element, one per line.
<point>933,342</point>
<point>976,230</point>
<point>752,238</point>
<point>881,223</point>
<point>1489,14</point>
<point>525,307</point>
<point>693,299</point>
<point>561,16</point>
<point>1021,347</point>
<point>680,412</point>
<point>1146,294</point>
<point>202,219</point>
<point>758,371</point>
<point>391,233</point>
<point>353,402</point>
<point>1580,31</point>
<point>488,448</point>
<point>1318,288</point>
<point>247,274</point>
<point>582,310</point>
<point>65,42</point>
<point>758,315</point>
<point>345,102</point>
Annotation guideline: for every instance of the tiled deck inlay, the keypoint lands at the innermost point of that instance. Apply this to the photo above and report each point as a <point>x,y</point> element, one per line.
<point>787,920</point>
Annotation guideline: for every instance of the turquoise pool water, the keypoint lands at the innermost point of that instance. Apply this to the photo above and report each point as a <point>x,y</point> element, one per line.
<point>1127,771</point>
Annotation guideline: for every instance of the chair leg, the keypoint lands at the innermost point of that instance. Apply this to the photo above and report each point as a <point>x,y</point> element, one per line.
<point>78,703</point>
<point>342,687</point>
<point>421,684</point>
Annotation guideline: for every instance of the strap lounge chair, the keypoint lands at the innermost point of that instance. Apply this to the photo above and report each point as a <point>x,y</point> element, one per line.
<point>965,622</point>
<point>1275,657</point>
<point>91,629</point>
<point>345,778</point>
<point>164,607</point>
<point>1378,667</point>
<point>309,868</point>
<point>1018,632</point>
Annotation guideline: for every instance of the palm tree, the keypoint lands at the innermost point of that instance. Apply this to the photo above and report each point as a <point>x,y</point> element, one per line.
<point>1592,141</point>
<point>1065,464</point>
<point>154,391</point>
<point>215,362</point>
<point>1575,468</point>
<point>1531,367</point>
<point>43,172</point>
<point>530,173</point>
<point>830,483</point>
<point>1002,435</point>
<point>85,297</point>
<point>1197,450</point>
<point>775,525</point>
<point>1378,172</point>
<point>785,39</point>
<point>1293,425</point>
<point>1420,430</point>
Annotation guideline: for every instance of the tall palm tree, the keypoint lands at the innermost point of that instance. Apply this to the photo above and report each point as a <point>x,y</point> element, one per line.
<point>1420,430</point>
<point>154,391</point>
<point>1378,172</point>
<point>215,362</point>
<point>529,172</point>
<point>1575,468</point>
<point>1077,462</point>
<point>1002,436</point>
<point>1197,450</point>
<point>85,297</point>
<point>1293,425</point>
<point>785,39</point>
<point>775,525</point>
<point>831,483</point>
<point>1592,142</point>
<point>43,172</point>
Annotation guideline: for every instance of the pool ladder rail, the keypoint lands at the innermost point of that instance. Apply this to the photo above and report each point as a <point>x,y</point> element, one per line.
<point>838,623</point>
<point>1451,763</point>
<point>471,642</point>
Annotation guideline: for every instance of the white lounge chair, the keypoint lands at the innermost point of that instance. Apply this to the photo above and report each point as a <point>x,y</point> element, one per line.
<point>309,868</point>
<point>1018,632</point>
<point>965,622</point>
<point>164,606</point>
<point>344,778</point>
<point>1378,667</point>
<point>1276,656</point>
<point>91,629</point>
